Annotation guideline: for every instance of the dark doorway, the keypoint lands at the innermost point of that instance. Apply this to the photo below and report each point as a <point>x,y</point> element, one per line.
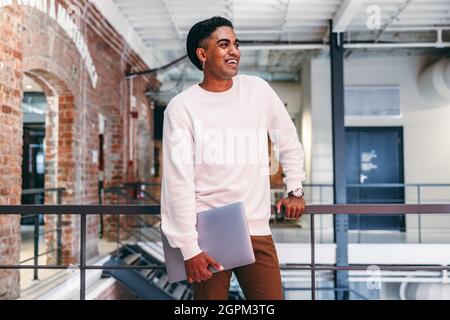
<point>374,159</point>
<point>33,163</point>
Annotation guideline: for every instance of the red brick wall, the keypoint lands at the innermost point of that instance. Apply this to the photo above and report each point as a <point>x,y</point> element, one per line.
<point>72,134</point>
<point>10,146</point>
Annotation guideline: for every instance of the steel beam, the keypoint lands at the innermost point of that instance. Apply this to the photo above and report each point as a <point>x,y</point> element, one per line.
<point>339,160</point>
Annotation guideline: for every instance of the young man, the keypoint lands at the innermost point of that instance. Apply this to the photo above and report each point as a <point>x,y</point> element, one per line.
<point>209,161</point>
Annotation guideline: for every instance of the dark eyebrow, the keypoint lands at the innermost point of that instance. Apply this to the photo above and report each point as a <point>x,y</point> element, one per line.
<point>227,40</point>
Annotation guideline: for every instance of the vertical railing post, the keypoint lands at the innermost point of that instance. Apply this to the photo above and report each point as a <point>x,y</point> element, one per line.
<point>59,230</point>
<point>419,216</point>
<point>36,246</point>
<point>141,225</point>
<point>313,260</point>
<point>101,192</point>
<point>83,257</point>
<point>321,194</point>
<point>118,232</point>
<point>321,216</point>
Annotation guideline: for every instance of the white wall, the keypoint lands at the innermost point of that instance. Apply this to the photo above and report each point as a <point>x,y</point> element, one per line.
<point>290,93</point>
<point>316,118</point>
<point>426,129</point>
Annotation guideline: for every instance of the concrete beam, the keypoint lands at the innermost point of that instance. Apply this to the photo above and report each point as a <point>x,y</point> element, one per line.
<point>345,14</point>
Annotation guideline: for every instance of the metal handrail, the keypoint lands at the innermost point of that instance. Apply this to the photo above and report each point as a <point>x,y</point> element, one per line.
<point>121,191</point>
<point>41,190</point>
<point>419,189</point>
<point>39,255</point>
<point>118,190</point>
<point>383,185</point>
<point>58,229</point>
<point>312,210</point>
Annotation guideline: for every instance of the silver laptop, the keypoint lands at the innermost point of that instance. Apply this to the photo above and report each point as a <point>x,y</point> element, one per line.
<point>222,233</point>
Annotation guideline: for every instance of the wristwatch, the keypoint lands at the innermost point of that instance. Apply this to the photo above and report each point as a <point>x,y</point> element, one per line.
<point>298,193</point>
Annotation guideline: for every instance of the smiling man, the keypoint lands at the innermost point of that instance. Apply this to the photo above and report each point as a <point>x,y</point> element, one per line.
<point>201,171</point>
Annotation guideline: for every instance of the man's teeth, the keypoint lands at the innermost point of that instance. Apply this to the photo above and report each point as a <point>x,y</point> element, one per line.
<point>232,61</point>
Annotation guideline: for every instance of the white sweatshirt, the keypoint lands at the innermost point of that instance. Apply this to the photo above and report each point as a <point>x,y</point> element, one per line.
<point>215,152</point>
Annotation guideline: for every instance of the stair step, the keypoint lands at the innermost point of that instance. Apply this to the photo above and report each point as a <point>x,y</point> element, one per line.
<point>162,282</point>
<point>179,292</point>
<point>132,258</point>
<point>148,273</point>
<point>152,234</point>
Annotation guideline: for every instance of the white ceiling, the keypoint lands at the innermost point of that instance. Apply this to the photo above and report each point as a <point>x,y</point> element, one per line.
<point>157,29</point>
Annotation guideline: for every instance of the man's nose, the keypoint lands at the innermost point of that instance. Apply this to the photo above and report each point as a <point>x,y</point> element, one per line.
<point>234,51</point>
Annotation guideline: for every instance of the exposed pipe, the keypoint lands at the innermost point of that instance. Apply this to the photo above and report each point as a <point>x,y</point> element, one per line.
<point>131,128</point>
<point>347,46</point>
<point>394,29</point>
<point>283,45</point>
<point>397,45</point>
<point>141,73</point>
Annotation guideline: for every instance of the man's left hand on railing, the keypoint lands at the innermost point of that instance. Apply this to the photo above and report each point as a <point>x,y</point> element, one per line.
<point>294,207</point>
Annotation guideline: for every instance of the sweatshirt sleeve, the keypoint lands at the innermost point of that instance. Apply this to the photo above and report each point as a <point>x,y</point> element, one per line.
<point>178,205</point>
<point>286,144</point>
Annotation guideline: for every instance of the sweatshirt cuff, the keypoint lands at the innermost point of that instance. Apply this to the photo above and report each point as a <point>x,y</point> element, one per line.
<point>293,185</point>
<point>190,250</point>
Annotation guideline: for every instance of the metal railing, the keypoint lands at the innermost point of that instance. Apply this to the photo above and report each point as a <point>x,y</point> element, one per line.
<point>133,192</point>
<point>418,190</point>
<point>128,193</point>
<point>414,193</point>
<point>313,211</point>
<point>36,254</point>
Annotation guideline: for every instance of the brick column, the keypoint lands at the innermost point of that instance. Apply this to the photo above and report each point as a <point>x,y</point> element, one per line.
<point>10,145</point>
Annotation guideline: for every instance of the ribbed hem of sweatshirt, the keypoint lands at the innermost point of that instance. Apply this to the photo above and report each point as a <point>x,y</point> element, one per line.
<point>259,227</point>
<point>190,250</point>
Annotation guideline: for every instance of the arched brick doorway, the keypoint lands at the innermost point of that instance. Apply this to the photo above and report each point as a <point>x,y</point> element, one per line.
<point>59,160</point>
<point>51,59</point>
<point>32,42</point>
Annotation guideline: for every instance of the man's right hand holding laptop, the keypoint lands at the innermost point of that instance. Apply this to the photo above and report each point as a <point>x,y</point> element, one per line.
<point>197,267</point>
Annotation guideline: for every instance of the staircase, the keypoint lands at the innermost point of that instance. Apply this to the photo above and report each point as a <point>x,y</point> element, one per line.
<point>151,284</point>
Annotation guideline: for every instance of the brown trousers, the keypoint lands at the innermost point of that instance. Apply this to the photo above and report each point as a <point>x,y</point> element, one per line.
<point>260,280</point>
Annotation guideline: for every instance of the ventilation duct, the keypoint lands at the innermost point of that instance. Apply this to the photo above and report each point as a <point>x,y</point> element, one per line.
<point>425,291</point>
<point>434,83</point>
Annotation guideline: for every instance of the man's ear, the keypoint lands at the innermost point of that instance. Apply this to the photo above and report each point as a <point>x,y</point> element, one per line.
<point>201,54</point>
